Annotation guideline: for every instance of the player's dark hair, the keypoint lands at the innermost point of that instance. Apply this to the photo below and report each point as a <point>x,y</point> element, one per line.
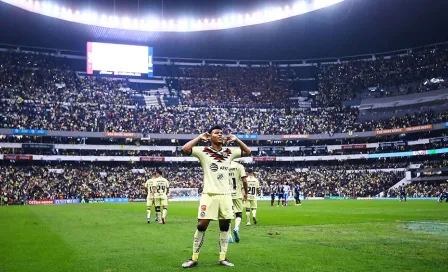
<point>250,171</point>
<point>213,128</point>
<point>158,171</point>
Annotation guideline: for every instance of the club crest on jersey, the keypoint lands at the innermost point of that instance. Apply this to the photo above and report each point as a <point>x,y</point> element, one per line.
<point>213,167</point>
<point>203,208</point>
<point>219,156</point>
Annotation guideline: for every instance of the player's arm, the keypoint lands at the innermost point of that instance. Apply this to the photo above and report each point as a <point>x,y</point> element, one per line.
<point>246,150</point>
<point>148,188</point>
<point>153,191</point>
<point>243,176</point>
<point>188,147</point>
<point>245,188</point>
<point>167,187</point>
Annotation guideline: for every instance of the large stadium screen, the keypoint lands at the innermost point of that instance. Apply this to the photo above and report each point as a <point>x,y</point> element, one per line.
<point>119,59</point>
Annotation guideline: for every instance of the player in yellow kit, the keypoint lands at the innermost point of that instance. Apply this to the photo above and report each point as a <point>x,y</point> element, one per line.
<point>216,199</point>
<point>253,190</point>
<point>237,176</point>
<point>161,188</point>
<point>149,198</point>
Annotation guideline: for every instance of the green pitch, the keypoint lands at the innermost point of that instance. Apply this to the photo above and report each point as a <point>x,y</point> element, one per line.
<point>333,235</point>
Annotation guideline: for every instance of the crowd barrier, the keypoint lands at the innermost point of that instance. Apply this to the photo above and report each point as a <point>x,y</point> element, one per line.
<point>396,198</point>
<point>196,198</point>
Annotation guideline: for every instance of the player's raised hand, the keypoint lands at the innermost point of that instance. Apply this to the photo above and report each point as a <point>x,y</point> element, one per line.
<point>205,137</point>
<point>230,138</point>
<point>244,196</point>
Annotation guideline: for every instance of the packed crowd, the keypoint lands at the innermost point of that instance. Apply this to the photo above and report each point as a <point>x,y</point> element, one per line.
<point>39,80</point>
<point>218,85</point>
<point>346,81</point>
<point>420,87</point>
<point>421,189</point>
<point>41,92</point>
<point>182,119</point>
<point>63,181</point>
<point>435,164</point>
<point>72,181</point>
<point>325,181</point>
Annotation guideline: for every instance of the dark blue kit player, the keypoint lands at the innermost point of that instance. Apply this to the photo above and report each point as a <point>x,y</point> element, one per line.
<point>297,194</point>
<point>273,188</point>
<point>279,194</point>
<point>443,196</point>
<point>402,194</point>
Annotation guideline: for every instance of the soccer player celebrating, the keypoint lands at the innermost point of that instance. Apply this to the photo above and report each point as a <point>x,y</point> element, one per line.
<point>216,199</point>
<point>253,189</point>
<point>149,198</point>
<point>161,188</point>
<point>238,181</point>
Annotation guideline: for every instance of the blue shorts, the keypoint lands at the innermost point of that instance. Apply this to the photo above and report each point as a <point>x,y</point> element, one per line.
<point>280,196</point>
<point>285,196</point>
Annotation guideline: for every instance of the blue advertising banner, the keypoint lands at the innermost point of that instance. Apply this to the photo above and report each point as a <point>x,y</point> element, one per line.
<point>29,131</point>
<point>409,153</point>
<point>121,200</point>
<point>395,198</point>
<point>66,201</point>
<point>446,124</point>
<point>247,136</point>
<point>441,150</point>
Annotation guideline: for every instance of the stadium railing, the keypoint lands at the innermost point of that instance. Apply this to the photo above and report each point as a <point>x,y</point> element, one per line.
<point>350,134</point>
<point>246,159</point>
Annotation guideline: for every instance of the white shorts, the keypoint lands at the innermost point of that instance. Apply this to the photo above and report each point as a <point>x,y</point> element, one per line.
<point>149,202</point>
<point>250,204</point>
<point>237,205</point>
<point>161,202</point>
<point>215,207</point>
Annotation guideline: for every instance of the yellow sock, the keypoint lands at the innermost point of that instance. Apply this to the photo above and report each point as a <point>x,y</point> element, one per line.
<point>222,257</point>
<point>223,244</point>
<point>198,241</point>
<point>195,257</point>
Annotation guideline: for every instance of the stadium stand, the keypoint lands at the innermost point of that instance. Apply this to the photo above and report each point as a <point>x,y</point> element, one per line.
<point>74,180</point>
<point>46,92</point>
<point>383,76</point>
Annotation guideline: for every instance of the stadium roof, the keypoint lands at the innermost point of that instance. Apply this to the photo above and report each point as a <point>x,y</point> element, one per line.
<point>156,20</point>
<point>348,28</point>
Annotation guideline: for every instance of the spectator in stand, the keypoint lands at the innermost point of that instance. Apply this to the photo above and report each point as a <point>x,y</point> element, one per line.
<point>181,119</point>
<point>323,181</point>
<point>41,92</point>
<point>235,86</point>
<point>421,189</point>
<point>346,81</point>
<point>63,181</point>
